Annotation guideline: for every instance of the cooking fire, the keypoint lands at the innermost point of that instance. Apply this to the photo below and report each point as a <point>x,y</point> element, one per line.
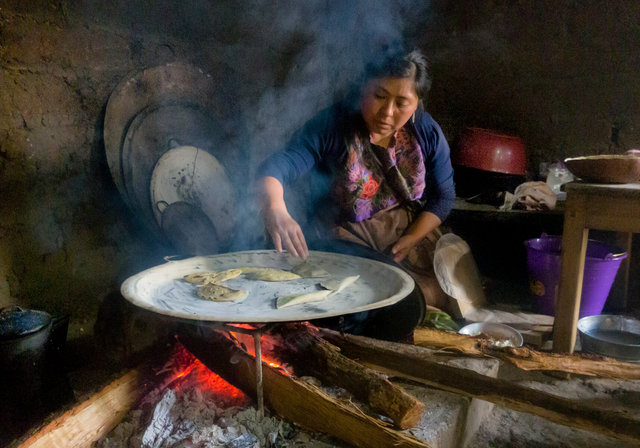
<point>334,401</point>
<point>196,407</point>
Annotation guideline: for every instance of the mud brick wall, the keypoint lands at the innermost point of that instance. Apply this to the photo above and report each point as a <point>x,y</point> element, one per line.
<point>560,74</point>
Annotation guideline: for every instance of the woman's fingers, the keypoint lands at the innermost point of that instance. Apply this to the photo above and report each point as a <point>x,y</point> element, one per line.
<point>288,244</point>
<point>401,249</point>
<point>401,255</point>
<point>301,244</point>
<point>293,241</point>
<point>286,234</point>
<point>297,245</point>
<point>277,241</point>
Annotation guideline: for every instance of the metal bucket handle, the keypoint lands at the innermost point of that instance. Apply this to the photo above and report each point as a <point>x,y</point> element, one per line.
<point>619,256</point>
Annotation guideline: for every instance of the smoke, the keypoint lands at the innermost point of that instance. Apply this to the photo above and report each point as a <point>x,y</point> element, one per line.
<point>321,48</point>
<point>317,50</point>
<point>275,65</point>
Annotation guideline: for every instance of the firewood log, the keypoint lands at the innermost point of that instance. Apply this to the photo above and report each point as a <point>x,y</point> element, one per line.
<point>311,355</point>
<point>292,399</point>
<point>527,359</point>
<point>418,364</point>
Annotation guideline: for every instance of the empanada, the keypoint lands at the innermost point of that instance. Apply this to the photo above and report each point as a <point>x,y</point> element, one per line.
<point>219,293</point>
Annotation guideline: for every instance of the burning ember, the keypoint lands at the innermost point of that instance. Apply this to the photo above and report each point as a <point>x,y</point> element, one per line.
<point>195,407</point>
<point>268,342</point>
<point>191,373</point>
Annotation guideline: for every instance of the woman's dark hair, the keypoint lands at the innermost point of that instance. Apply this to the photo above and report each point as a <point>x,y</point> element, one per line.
<point>399,64</point>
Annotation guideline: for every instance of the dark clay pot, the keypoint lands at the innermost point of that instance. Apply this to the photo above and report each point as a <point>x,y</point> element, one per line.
<point>30,358</point>
<point>23,338</point>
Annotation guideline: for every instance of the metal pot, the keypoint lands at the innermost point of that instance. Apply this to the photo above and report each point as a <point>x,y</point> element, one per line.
<point>611,335</point>
<point>23,338</point>
<point>22,333</point>
<point>30,366</point>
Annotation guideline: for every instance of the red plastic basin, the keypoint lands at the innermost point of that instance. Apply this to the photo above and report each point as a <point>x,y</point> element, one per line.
<point>489,150</point>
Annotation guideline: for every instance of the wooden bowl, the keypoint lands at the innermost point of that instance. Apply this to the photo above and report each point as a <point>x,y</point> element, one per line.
<point>606,168</point>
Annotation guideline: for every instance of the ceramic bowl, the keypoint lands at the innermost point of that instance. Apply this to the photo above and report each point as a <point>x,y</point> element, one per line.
<point>606,168</point>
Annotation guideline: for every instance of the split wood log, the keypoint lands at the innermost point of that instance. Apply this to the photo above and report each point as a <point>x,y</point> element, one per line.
<point>417,363</point>
<point>313,356</point>
<point>89,421</point>
<point>525,358</point>
<point>292,399</point>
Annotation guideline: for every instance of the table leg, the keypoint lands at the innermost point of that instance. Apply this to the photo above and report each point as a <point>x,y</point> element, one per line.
<point>574,248</point>
<point>621,284</point>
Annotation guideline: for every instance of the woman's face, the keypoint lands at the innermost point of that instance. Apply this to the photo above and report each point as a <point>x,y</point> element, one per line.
<point>387,104</point>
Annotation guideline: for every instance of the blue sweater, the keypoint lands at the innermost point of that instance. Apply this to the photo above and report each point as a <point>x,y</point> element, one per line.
<point>321,144</point>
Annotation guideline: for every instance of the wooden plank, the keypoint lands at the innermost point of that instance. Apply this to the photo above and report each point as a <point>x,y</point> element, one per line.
<point>89,421</point>
<point>290,398</point>
<point>417,363</point>
<point>612,213</point>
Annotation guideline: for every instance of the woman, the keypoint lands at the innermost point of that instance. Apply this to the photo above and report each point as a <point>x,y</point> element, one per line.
<point>391,180</point>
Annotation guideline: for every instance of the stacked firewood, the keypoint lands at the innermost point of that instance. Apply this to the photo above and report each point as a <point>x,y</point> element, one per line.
<point>363,366</point>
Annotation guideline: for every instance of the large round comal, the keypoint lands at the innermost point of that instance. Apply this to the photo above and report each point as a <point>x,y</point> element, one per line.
<point>162,289</point>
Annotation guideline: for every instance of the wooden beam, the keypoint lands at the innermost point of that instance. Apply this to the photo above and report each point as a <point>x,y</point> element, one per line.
<point>417,363</point>
<point>290,398</point>
<point>527,359</point>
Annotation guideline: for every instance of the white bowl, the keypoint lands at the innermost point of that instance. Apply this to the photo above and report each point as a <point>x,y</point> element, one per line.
<point>502,335</point>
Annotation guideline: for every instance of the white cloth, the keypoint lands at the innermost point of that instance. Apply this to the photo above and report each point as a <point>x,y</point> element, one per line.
<point>530,196</point>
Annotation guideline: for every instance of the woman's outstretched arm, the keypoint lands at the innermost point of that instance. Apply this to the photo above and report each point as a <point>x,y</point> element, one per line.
<point>284,231</point>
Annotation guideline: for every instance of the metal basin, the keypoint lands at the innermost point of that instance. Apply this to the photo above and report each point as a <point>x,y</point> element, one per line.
<point>502,335</point>
<point>609,335</point>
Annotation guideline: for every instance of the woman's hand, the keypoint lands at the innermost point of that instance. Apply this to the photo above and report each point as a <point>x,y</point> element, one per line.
<point>284,231</point>
<point>402,247</point>
<point>424,223</point>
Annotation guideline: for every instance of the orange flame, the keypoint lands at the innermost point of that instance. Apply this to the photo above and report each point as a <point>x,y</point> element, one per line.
<point>191,371</point>
<point>247,345</point>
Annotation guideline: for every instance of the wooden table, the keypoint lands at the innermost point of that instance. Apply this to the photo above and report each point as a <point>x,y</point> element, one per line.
<point>588,206</point>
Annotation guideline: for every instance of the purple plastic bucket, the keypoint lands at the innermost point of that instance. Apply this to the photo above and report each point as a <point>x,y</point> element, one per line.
<point>600,269</point>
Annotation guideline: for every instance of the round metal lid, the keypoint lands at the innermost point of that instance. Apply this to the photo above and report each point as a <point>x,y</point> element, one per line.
<point>175,82</point>
<point>192,175</point>
<point>162,289</point>
<point>153,132</point>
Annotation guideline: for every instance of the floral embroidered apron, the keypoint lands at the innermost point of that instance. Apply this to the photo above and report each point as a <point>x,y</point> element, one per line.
<point>375,190</point>
<point>375,178</point>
